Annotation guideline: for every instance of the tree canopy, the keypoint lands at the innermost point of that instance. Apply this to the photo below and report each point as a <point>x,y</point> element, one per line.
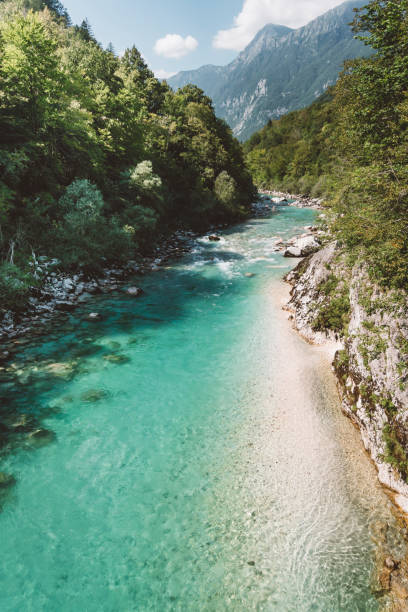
<point>76,118</point>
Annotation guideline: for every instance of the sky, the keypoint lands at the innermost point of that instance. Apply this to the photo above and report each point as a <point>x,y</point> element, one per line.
<point>175,35</point>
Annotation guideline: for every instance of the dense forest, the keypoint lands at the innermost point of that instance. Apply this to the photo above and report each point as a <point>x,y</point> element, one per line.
<point>98,158</point>
<point>351,146</point>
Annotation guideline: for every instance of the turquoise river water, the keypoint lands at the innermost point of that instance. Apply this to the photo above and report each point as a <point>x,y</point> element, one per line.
<point>201,460</point>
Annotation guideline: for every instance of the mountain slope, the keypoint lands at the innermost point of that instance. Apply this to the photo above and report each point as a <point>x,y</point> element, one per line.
<point>281,70</point>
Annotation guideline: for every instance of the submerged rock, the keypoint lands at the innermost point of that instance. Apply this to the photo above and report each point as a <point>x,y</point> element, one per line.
<point>94,316</point>
<point>250,275</point>
<point>115,358</point>
<point>24,424</point>
<point>63,370</point>
<point>6,480</point>
<point>41,437</point>
<point>94,395</point>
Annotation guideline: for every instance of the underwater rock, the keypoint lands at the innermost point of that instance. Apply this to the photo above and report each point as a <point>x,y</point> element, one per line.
<point>94,316</point>
<point>64,370</point>
<point>94,395</point>
<point>6,480</point>
<point>250,275</point>
<point>113,345</point>
<point>41,437</point>
<point>116,358</point>
<point>134,291</point>
<point>23,425</point>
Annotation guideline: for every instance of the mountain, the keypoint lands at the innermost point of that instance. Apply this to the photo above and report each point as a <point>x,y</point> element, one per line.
<point>281,70</point>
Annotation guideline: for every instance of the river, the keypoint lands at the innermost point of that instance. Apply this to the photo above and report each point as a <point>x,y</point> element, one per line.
<point>201,460</point>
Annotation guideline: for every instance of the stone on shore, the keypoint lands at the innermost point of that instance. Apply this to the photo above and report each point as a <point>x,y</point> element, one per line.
<point>302,247</point>
<point>64,306</point>
<point>292,251</point>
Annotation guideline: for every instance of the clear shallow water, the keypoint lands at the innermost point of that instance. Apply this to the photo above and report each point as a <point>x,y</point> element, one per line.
<point>215,471</point>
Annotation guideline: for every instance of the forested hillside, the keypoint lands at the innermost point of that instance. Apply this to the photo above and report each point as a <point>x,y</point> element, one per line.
<point>352,146</point>
<point>294,152</point>
<point>97,157</point>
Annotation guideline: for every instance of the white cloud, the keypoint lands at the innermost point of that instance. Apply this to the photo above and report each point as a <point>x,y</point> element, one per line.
<point>255,14</point>
<point>163,74</point>
<point>175,46</point>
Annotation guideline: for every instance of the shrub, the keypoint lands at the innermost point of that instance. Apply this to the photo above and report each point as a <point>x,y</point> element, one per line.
<point>15,286</point>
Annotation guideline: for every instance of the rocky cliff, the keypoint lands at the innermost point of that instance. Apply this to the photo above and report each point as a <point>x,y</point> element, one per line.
<point>281,70</point>
<point>333,299</point>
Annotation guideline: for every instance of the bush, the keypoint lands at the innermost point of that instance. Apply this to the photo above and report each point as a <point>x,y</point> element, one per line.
<point>15,287</point>
<point>334,314</point>
<point>86,238</point>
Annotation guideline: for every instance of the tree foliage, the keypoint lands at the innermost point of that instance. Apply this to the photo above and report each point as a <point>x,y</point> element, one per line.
<point>92,143</point>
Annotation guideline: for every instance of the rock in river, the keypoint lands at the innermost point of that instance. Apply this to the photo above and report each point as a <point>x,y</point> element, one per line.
<point>6,480</point>
<point>292,251</point>
<point>41,437</point>
<point>116,358</point>
<point>134,291</point>
<point>94,395</point>
<point>214,238</point>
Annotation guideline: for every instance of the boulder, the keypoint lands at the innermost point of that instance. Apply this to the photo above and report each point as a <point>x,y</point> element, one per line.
<point>94,316</point>
<point>214,238</point>
<point>307,245</point>
<point>134,291</point>
<point>292,251</point>
<point>302,247</point>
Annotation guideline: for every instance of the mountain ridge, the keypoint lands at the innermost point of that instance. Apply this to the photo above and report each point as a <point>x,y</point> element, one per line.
<point>281,70</point>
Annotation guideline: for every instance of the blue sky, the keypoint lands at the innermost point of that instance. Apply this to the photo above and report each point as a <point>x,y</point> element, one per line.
<point>178,35</point>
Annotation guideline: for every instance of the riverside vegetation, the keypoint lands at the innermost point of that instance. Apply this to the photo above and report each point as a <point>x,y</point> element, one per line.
<point>98,158</point>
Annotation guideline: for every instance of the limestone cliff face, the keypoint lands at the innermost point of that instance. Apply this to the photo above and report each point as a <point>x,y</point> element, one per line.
<point>330,300</point>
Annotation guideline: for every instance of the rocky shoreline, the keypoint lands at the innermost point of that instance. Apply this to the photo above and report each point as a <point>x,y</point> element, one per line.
<point>298,200</point>
<point>333,301</point>
<point>60,292</point>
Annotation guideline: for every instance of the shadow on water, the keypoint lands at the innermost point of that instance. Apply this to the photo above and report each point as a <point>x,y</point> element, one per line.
<point>66,350</point>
